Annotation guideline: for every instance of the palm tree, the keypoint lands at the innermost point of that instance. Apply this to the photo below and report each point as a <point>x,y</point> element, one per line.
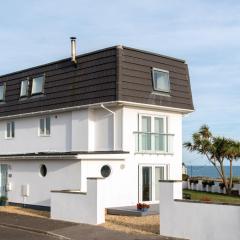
<point>217,150</point>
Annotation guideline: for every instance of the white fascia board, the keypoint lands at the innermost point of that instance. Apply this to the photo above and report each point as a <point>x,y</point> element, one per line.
<point>101,156</point>
<point>98,105</point>
<point>151,106</point>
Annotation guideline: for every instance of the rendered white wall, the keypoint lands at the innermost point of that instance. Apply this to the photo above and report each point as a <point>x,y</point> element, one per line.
<point>196,221</point>
<point>81,208</point>
<point>27,139</point>
<point>60,175</point>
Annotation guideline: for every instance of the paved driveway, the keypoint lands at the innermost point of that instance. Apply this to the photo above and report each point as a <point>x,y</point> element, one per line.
<point>68,230</point>
<point>16,234</point>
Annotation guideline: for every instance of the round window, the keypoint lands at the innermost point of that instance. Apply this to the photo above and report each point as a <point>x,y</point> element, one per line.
<point>43,170</point>
<point>105,171</point>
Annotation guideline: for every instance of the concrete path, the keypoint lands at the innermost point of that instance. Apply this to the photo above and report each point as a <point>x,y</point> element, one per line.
<point>67,230</point>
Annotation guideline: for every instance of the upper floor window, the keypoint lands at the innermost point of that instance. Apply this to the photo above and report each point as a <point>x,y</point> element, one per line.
<point>152,135</point>
<point>2,92</point>
<point>38,85</point>
<point>10,131</point>
<point>24,88</point>
<point>45,126</point>
<point>161,80</point>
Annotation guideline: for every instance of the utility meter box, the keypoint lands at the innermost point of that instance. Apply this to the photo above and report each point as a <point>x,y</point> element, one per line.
<point>25,190</point>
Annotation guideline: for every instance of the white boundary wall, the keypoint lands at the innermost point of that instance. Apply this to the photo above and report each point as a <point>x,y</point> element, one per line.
<point>76,206</point>
<point>196,220</point>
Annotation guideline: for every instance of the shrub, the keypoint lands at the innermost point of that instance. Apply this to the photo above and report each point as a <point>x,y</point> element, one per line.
<point>205,183</point>
<point>3,199</point>
<point>194,181</point>
<point>185,177</point>
<point>222,185</point>
<point>211,183</point>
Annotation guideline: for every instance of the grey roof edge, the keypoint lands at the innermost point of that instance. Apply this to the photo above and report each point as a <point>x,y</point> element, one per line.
<point>73,153</point>
<point>89,53</point>
<point>153,53</point>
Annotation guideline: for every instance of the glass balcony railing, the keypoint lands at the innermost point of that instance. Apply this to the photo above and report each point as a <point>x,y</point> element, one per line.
<point>154,142</point>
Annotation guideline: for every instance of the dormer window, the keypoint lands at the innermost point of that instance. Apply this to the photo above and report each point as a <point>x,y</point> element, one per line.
<point>2,92</point>
<point>24,88</point>
<point>38,85</point>
<point>161,81</point>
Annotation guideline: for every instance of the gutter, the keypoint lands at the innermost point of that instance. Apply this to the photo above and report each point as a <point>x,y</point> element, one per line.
<point>113,113</point>
<point>97,105</point>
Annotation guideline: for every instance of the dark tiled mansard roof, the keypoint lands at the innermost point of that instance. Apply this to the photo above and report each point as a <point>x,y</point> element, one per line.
<point>108,75</point>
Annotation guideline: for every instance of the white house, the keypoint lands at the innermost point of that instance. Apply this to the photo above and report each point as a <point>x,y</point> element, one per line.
<point>114,113</point>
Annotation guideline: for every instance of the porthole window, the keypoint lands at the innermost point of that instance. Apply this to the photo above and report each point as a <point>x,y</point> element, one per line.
<point>105,171</point>
<point>43,170</point>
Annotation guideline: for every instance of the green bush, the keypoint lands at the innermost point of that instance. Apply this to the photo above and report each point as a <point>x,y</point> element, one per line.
<point>185,177</point>
<point>206,182</point>
<point>194,181</point>
<point>3,199</point>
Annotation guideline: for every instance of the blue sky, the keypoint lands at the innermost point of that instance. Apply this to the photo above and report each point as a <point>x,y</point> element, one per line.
<point>204,33</point>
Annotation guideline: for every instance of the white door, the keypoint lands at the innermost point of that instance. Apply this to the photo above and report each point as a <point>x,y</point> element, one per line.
<point>149,176</point>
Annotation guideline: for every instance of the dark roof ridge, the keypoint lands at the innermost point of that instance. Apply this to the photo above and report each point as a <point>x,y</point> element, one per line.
<point>89,53</point>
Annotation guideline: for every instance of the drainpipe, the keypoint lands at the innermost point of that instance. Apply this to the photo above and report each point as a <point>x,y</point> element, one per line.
<point>113,113</point>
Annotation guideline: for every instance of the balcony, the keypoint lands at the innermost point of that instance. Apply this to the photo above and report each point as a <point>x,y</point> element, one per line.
<point>159,143</point>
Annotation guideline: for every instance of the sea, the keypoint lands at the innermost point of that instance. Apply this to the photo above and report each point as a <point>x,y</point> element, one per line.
<point>210,171</point>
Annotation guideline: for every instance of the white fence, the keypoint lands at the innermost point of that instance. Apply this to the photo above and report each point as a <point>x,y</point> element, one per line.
<point>196,220</point>
<point>215,188</point>
<point>76,206</point>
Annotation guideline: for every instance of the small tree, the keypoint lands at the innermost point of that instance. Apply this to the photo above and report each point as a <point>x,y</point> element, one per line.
<point>217,150</point>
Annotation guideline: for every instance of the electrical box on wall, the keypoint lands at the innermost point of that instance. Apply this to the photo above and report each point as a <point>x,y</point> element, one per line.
<point>25,190</point>
<point>9,186</point>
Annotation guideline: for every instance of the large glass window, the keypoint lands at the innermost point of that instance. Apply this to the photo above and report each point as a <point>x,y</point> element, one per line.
<point>10,131</point>
<point>38,85</point>
<point>45,126</point>
<point>161,80</point>
<point>152,134</point>
<point>24,88</point>
<point>159,130</point>
<point>2,92</point>
<point>146,133</point>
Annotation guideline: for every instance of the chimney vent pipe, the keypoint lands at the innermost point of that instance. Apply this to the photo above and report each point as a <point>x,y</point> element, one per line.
<point>73,50</point>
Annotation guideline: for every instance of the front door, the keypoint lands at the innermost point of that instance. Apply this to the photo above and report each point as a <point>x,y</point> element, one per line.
<point>3,180</point>
<point>149,176</point>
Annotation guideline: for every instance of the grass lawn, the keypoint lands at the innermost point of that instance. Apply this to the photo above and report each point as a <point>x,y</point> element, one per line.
<point>212,197</point>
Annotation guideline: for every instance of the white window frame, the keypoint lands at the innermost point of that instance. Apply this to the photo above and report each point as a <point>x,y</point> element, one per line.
<point>165,127</point>
<point>43,84</point>
<point>12,130</point>
<point>44,134</point>
<point>152,166</point>
<point>4,91</point>
<point>153,82</point>
<point>22,96</point>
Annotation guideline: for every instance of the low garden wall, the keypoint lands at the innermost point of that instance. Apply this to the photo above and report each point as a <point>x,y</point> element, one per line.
<point>80,207</point>
<point>196,220</point>
<point>215,188</point>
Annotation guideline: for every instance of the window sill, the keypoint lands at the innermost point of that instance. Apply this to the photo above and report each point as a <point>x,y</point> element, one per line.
<point>44,135</point>
<point>156,153</point>
<point>159,93</point>
<point>9,138</point>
